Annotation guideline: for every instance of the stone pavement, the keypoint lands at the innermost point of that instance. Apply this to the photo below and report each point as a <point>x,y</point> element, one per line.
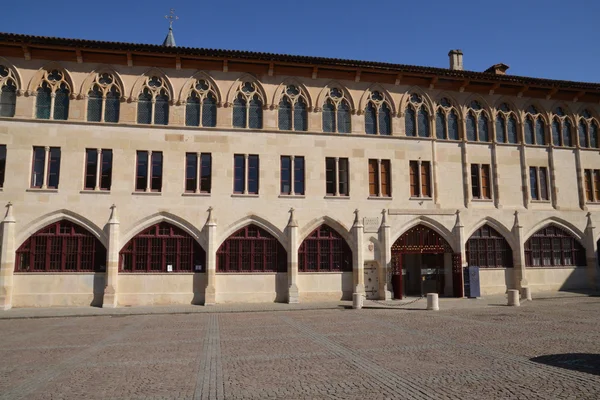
<point>546,349</point>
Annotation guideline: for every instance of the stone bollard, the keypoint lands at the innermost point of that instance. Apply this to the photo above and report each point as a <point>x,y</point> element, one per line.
<point>433,301</point>
<point>513,298</point>
<point>357,301</point>
<point>526,293</point>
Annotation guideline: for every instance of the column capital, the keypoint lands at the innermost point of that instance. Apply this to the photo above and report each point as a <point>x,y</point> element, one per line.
<point>9,217</point>
<point>114,218</point>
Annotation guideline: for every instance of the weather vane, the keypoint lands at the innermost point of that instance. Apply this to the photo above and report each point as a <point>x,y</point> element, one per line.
<point>171,17</point>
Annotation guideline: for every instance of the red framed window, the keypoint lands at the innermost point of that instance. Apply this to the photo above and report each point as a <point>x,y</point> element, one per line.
<point>553,247</point>
<point>486,248</point>
<point>162,248</point>
<point>98,164</point>
<point>61,247</point>
<point>379,178</point>
<point>251,249</point>
<point>324,250</point>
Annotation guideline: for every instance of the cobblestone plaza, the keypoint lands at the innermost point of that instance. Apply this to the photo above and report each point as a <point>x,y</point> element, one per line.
<point>546,349</point>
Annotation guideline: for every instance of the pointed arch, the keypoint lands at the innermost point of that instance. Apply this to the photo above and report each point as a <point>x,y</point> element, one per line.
<point>511,104</point>
<point>334,224</point>
<point>543,112</point>
<point>376,87</point>
<point>322,96</point>
<point>58,215</point>
<point>16,74</point>
<point>253,219</point>
<point>246,77</point>
<point>136,89</point>
<point>428,222</point>
<point>559,222</point>
<point>292,81</point>
<point>479,98</point>
<point>157,218</point>
<point>405,99</point>
<point>448,95</point>
<point>87,83</point>
<point>37,78</point>
<point>499,227</point>
<point>577,113</point>
<point>200,74</point>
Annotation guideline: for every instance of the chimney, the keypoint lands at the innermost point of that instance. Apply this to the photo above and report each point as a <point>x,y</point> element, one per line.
<point>456,59</point>
<point>498,69</point>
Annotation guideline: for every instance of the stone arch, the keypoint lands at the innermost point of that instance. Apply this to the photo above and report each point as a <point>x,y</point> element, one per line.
<point>55,216</point>
<point>479,98</point>
<point>36,79</point>
<point>577,113</point>
<point>136,89</point>
<point>89,80</point>
<point>334,224</point>
<point>376,87</point>
<point>158,217</point>
<point>253,220</point>
<point>428,222</point>
<point>323,93</point>
<point>185,89</point>
<point>437,98</point>
<point>300,85</point>
<point>499,227</point>
<point>404,100</point>
<point>513,107</point>
<point>543,111</point>
<point>246,77</point>
<point>15,73</point>
<point>561,223</point>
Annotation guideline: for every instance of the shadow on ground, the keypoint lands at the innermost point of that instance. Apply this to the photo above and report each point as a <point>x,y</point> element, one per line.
<point>582,362</point>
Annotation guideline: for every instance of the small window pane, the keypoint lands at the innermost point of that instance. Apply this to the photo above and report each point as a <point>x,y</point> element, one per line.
<point>191,164</point>
<point>192,110</point>
<point>239,167</point>
<point>286,175</point>
<point>423,122</point>
<point>144,112</point>
<point>255,113</point>
<point>54,167</point>
<point>209,111</point>
<point>385,120</point>
<point>512,129</point>
<point>156,183</point>
<point>533,183</point>
<point>556,132</point>
<point>330,176</point>
<point>529,131</point>
<point>106,170</point>
<point>94,111</point>
<point>594,135</point>
<point>239,112</point>
<point>343,117</point>
<point>299,175</point>
<point>253,174</point>
<point>500,129</point>
<point>300,115</point>
<point>471,123</point>
<point>161,110</point>
<point>540,135</point>
<point>113,106</point>
<point>343,176</point>
<point>61,103</point>
<point>440,125</point>
<point>205,172</point>
<point>90,169</point>
<point>8,99</point>
<point>370,118</point>
<point>453,125</point>
<point>37,173</point>
<point>410,123</point>
<point>285,114</point>
<point>141,171</point>
<point>484,134</point>
<point>42,106</point>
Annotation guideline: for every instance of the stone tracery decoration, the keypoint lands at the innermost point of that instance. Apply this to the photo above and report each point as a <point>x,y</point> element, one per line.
<point>535,127</point>
<point>446,121</point>
<point>8,92</point>
<point>561,129</point>
<point>248,106</point>
<point>336,111</point>
<point>53,95</point>
<point>104,99</point>
<point>293,109</point>
<point>587,130</point>
<point>201,104</point>
<point>477,123</point>
<point>506,125</point>
<point>153,102</point>
<point>378,115</point>
<point>416,118</point>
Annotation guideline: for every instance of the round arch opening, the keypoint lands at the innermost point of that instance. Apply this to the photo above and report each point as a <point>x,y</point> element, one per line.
<point>424,262</point>
<point>162,247</point>
<point>62,246</point>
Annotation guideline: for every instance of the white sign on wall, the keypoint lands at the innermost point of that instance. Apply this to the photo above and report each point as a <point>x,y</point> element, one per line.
<point>169,268</point>
<point>371,225</point>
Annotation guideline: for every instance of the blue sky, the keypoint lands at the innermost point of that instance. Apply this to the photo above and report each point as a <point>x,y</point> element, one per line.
<point>548,39</point>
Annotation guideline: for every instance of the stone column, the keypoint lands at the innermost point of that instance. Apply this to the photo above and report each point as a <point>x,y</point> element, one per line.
<point>459,233</point>
<point>210,294</point>
<point>7,266</point>
<point>358,259</point>
<point>385,262</point>
<point>292,267</point>
<point>590,252</point>
<point>520,268</point>
<point>112,261</point>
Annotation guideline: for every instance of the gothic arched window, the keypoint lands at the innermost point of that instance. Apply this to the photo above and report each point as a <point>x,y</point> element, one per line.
<point>446,121</point>
<point>293,110</point>
<point>506,125</point>
<point>153,102</point>
<point>61,247</point>
<point>561,129</point>
<point>8,92</point>
<point>336,112</point>
<point>248,107</point>
<point>588,130</point>
<point>378,115</point>
<point>104,99</point>
<point>416,119</point>
<point>477,123</point>
<point>251,249</point>
<point>52,100</point>
<point>553,247</point>
<point>324,250</point>
<point>535,127</point>
<point>201,104</point>
<point>162,248</point>
<point>487,248</point>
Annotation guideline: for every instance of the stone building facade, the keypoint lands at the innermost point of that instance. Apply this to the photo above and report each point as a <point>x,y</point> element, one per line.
<point>142,174</point>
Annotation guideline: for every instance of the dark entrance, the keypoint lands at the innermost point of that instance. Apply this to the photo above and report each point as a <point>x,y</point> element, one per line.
<point>419,264</point>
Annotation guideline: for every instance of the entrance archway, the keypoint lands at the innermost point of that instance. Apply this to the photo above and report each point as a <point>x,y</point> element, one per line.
<point>423,262</point>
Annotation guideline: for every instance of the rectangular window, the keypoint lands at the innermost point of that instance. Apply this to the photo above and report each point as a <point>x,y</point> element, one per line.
<point>149,171</point>
<point>414,178</point>
<point>337,176</point>
<point>198,172</point>
<point>592,185</point>
<point>425,179</point>
<point>589,194</point>
<point>292,175</point>
<point>45,157</point>
<point>2,164</point>
<point>420,178</point>
<point>480,181</point>
<point>596,185</point>
<point>538,183</point>
<point>379,178</point>
<point>246,174</point>
<point>98,163</point>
